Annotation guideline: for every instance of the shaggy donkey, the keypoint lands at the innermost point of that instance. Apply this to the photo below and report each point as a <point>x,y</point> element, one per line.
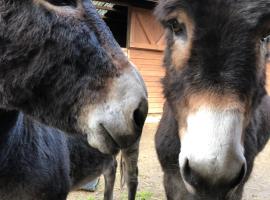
<point>217,115</point>
<point>60,64</point>
<point>61,69</point>
<point>38,162</point>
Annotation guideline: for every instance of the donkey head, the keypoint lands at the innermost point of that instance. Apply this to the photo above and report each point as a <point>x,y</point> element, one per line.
<point>60,64</point>
<point>215,77</point>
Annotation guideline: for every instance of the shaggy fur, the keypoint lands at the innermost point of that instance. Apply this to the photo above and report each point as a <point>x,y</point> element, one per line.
<point>60,64</point>
<point>225,56</point>
<point>59,71</point>
<point>39,162</point>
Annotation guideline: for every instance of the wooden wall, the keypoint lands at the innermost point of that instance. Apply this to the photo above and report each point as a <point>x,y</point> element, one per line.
<point>149,64</point>
<point>145,50</point>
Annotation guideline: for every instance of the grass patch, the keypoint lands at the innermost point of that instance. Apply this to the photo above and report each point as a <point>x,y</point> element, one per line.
<point>144,195</point>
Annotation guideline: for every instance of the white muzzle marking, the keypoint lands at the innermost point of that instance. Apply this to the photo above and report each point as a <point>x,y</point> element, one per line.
<point>212,143</point>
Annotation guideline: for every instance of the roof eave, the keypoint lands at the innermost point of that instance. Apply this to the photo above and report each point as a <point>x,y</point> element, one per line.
<point>137,3</point>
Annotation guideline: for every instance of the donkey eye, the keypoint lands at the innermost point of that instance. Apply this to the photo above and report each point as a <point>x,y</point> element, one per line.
<point>176,27</point>
<point>72,3</point>
<point>266,37</point>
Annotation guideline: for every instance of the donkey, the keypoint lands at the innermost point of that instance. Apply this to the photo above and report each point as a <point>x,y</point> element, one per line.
<point>62,71</point>
<point>40,162</point>
<point>217,114</point>
<point>60,64</point>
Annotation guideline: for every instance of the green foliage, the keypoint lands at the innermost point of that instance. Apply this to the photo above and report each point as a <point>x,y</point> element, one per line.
<point>144,195</point>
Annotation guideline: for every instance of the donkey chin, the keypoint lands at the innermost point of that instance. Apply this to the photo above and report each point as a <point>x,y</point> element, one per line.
<point>212,153</point>
<point>117,122</point>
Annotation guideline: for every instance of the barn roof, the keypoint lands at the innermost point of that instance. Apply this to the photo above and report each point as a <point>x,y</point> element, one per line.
<point>104,6</point>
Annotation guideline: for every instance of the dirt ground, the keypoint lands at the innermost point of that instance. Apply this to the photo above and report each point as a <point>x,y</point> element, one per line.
<point>150,175</point>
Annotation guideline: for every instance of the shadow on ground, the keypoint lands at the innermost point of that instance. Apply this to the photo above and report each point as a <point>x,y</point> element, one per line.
<point>150,175</point>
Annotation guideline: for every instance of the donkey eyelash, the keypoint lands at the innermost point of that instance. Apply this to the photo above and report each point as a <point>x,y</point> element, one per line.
<point>71,3</point>
<point>175,26</point>
<point>266,38</point>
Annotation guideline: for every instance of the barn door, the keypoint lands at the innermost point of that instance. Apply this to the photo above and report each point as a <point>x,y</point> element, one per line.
<point>145,31</point>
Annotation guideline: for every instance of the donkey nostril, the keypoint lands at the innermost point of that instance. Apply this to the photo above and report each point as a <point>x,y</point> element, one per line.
<point>140,114</point>
<point>190,176</point>
<point>138,118</point>
<point>195,180</point>
<point>186,169</point>
<point>241,175</point>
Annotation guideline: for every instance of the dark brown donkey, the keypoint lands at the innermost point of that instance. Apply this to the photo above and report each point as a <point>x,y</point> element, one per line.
<point>61,69</point>
<point>217,114</point>
<point>60,64</point>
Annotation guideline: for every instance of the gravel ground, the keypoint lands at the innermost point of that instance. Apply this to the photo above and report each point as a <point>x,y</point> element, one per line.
<point>150,175</point>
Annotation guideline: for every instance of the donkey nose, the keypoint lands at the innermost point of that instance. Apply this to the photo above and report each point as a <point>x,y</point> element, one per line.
<point>139,115</point>
<point>118,121</point>
<point>196,180</point>
<point>239,178</point>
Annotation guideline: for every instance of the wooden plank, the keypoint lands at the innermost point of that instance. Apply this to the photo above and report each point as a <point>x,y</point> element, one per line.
<point>156,90</point>
<point>147,57</point>
<point>153,84</point>
<point>152,78</point>
<point>146,46</point>
<point>152,73</point>
<point>155,87</point>
<point>156,100</point>
<point>155,110</point>
<point>153,95</point>
<point>150,67</point>
<point>146,70</point>
<point>155,105</point>
<point>148,61</point>
<point>136,53</point>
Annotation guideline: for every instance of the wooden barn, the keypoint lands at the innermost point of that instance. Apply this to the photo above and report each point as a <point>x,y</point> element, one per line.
<point>142,38</point>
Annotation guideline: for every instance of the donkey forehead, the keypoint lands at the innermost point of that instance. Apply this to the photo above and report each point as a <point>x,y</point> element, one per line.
<point>250,12</point>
